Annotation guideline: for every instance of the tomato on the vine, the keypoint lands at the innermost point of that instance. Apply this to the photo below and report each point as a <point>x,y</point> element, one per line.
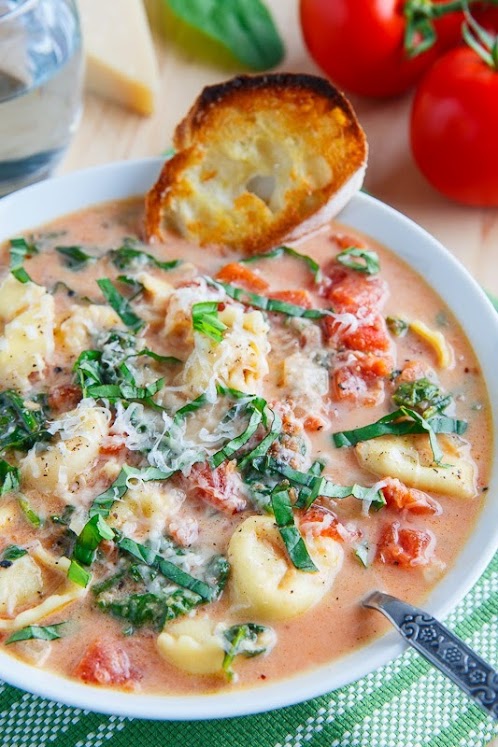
<point>359,44</point>
<point>454,128</point>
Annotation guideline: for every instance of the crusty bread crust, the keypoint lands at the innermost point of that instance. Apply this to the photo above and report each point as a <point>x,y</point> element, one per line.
<point>259,159</point>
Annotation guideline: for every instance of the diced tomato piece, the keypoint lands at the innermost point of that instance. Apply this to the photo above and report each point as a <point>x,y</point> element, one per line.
<point>64,397</point>
<point>220,487</point>
<point>298,297</point>
<point>346,242</point>
<point>313,424</point>
<point>320,522</point>
<point>400,496</point>
<point>405,547</point>
<point>238,274</point>
<point>105,664</point>
<point>361,380</point>
<point>368,338</point>
<point>112,446</point>
<point>348,290</point>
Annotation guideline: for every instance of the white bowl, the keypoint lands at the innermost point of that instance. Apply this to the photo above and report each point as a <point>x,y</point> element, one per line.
<point>43,202</point>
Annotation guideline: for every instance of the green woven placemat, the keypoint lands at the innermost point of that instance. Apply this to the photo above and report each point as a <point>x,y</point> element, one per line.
<point>404,704</point>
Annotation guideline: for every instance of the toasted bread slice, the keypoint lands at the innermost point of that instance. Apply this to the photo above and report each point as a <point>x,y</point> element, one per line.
<point>259,159</point>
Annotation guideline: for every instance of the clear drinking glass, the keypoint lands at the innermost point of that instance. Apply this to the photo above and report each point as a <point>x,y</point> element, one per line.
<point>40,87</point>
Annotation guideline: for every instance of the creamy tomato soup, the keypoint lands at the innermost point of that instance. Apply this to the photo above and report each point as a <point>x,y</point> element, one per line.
<point>196,488</point>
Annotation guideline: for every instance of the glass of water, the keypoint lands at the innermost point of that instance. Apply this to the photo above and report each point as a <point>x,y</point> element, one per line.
<point>40,87</point>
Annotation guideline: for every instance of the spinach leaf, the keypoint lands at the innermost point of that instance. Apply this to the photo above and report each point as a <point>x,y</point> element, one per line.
<point>9,477</point>
<point>423,396</point>
<point>130,254</point>
<point>244,27</point>
<point>13,552</point>
<point>247,639</point>
<point>149,608</point>
<point>397,326</point>
<point>22,422</point>
<point>74,257</point>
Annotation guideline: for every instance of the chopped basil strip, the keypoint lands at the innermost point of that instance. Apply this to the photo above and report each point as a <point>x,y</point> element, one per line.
<point>399,423</point>
<point>90,537</point>
<point>135,285</point>
<point>20,250</point>
<point>397,326</point>
<point>294,543</point>
<point>156,356</point>
<point>312,486</point>
<point>190,407</point>
<point>13,552</point>
<point>74,257</point>
<point>206,321</point>
<point>245,640</point>
<point>9,477</point>
<point>171,571</point>
<point>47,633</point>
<point>262,448</point>
<point>366,261</point>
<point>268,304</point>
<point>22,423</point>
<point>423,396</point>
<point>125,391</point>
<point>243,27</point>
<point>120,305</point>
<point>313,266</point>
<point>102,504</point>
<point>30,515</point>
<point>128,255</point>
<point>78,575</point>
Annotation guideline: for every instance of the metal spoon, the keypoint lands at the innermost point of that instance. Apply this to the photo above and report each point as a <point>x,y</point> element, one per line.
<point>442,648</point>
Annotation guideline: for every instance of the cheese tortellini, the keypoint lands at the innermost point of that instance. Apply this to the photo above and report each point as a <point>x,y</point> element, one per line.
<point>20,584</point>
<point>264,581</point>
<point>145,509</point>
<point>80,434</point>
<point>437,341</point>
<point>192,645</point>
<point>27,341</point>
<point>80,324</point>
<point>239,360</point>
<point>410,459</point>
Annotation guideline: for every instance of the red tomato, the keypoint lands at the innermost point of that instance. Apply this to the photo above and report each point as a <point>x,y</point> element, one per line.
<point>453,128</point>
<point>405,547</point>
<point>105,664</point>
<point>359,44</point>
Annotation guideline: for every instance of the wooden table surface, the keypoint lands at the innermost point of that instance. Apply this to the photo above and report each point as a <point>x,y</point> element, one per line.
<point>109,132</point>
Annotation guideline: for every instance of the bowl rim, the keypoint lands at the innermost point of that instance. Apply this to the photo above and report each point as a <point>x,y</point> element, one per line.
<point>123,179</point>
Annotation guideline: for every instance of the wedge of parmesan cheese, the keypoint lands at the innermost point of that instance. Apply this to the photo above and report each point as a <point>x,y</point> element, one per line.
<point>120,58</point>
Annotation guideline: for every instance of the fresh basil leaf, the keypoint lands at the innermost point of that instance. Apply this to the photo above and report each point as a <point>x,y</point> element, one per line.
<point>246,639</point>
<point>78,575</point>
<point>47,633</point>
<point>206,321</point>
<point>30,515</point>
<point>13,552</point>
<point>74,257</point>
<point>120,305</point>
<point>90,537</point>
<point>102,504</point>
<point>398,424</point>
<point>244,27</point>
<point>169,570</point>
<point>20,249</point>
<point>294,543</point>
<point>313,266</point>
<point>268,304</point>
<point>361,260</point>
<point>21,275</point>
<point>9,477</point>
<point>128,254</point>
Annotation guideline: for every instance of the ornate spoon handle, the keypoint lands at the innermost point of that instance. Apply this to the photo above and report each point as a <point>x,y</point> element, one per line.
<point>442,648</point>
